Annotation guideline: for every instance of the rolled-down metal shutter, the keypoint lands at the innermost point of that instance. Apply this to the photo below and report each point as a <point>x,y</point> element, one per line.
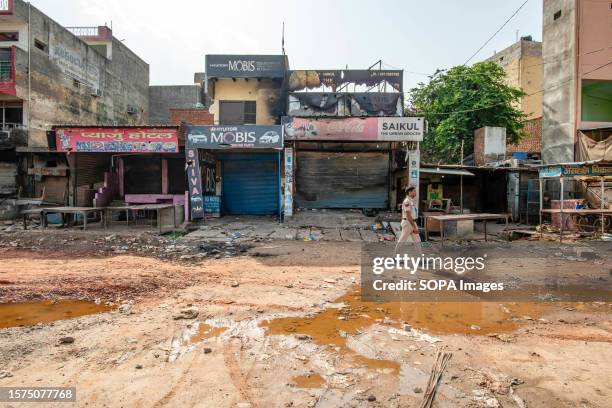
<point>250,183</point>
<point>342,180</point>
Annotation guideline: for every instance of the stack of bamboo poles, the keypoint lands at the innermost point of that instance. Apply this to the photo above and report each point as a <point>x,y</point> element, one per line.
<point>442,359</point>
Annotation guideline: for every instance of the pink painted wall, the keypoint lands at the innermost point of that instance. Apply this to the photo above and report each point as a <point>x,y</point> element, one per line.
<point>108,192</point>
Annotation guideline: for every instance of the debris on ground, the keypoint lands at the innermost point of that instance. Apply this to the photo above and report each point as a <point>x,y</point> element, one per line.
<point>439,367</point>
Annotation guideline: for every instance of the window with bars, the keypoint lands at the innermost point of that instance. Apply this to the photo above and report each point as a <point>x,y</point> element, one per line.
<point>6,65</point>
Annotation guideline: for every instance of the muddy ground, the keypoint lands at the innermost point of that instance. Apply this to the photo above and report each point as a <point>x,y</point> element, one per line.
<point>280,324</point>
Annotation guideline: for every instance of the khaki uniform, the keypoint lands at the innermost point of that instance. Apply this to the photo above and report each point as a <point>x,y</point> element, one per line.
<point>408,232</point>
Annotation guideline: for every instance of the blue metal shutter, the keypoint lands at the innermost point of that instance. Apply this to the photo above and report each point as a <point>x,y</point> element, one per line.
<point>342,180</point>
<point>250,183</point>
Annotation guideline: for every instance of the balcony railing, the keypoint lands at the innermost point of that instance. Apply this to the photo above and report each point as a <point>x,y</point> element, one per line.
<point>101,32</point>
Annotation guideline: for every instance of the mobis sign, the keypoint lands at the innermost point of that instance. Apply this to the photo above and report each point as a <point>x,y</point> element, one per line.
<point>240,136</point>
<point>246,66</point>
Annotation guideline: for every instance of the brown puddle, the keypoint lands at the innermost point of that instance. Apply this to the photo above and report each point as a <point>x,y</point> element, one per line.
<point>329,326</point>
<point>308,381</point>
<point>204,332</point>
<point>30,313</point>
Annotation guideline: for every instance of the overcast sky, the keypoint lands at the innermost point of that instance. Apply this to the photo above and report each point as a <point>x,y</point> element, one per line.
<point>418,36</point>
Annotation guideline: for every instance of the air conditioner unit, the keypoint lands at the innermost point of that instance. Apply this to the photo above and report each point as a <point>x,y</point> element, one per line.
<point>95,92</point>
<point>132,110</point>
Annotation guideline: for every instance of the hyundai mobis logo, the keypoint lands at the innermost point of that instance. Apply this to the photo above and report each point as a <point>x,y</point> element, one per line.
<point>470,273</point>
<point>246,66</point>
<point>243,136</point>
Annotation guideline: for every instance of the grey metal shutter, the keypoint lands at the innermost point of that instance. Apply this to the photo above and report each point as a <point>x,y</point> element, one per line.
<point>342,180</point>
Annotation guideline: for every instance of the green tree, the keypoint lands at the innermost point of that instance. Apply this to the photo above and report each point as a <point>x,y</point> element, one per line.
<point>460,100</point>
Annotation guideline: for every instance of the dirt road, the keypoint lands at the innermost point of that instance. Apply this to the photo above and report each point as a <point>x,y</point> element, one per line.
<point>279,324</point>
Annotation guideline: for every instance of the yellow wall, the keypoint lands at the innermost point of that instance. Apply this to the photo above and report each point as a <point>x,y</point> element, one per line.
<point>264,92</point>
<point>532,81</point>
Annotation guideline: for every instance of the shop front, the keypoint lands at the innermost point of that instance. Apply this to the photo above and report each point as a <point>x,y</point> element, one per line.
<point>133,165</point>
<point>234,170</point>
<point>347,162</point>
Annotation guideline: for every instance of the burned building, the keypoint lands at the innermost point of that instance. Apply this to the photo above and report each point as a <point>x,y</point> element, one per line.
<point>343,131</point>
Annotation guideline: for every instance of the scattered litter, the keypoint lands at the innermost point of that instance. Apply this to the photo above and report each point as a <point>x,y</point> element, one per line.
<point>416,334</point>
<point>187,313</point>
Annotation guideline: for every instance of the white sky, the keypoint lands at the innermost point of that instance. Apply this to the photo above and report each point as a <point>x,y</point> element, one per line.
<point>418,36</point>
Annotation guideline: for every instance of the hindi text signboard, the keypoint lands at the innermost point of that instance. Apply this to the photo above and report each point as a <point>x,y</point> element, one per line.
<point>117,140</point>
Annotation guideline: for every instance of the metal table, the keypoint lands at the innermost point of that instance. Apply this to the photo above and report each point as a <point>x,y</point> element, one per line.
<point>158,208</point>
<point>462,217</point>
<point>84,211</point>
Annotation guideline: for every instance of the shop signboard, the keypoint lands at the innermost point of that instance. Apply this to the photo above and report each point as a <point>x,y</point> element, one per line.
<point>414,164</point>
<point>577,170</point>
<point>308,79</point>
<point>373,129</point>
<point>288,182</point>
<point>194,177</point>
<point>212,206</point>
<point>238,136</point>
<point>246,66</point>
<point>74,63</point>
<point>117,140</point>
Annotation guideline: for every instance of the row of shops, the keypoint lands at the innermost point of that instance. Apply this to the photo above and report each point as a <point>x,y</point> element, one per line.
<point>228,170</point>
<point>307,164</point>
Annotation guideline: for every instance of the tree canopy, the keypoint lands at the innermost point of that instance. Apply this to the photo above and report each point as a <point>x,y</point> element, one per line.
<point>460,100</point>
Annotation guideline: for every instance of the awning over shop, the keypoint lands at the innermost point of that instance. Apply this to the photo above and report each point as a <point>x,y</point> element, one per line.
<point>449,172</point>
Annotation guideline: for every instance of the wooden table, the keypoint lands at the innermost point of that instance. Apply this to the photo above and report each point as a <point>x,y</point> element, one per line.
<point>158,208</point>
<point>84,211</point>
<point>484,217</point>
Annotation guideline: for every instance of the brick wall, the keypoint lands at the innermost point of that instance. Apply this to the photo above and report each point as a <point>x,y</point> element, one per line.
<point>532,143</point>
<point>191,116</point>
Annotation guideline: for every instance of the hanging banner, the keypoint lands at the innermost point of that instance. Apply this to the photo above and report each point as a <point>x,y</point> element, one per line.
<point>240,136</point>
<point>388,129</point>
<point>194,177</point>
<point>288,182</point>
<point>117,140</point>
